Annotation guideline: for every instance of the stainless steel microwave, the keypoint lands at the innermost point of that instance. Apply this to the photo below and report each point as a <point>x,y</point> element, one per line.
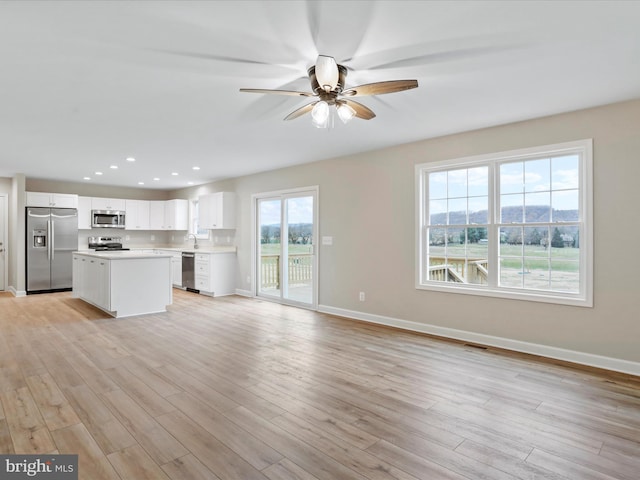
<point>107,219</point>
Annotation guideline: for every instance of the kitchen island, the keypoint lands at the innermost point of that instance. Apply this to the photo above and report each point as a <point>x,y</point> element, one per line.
<point>123,283</point>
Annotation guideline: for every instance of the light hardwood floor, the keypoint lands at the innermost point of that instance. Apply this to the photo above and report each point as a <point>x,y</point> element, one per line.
<point>238,388</point>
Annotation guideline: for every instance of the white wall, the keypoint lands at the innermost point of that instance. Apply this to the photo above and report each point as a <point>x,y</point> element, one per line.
<point>17,275</point>
<point>5,189</point>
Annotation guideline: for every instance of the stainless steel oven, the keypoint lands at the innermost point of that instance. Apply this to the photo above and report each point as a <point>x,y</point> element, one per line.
<point>107,219</point>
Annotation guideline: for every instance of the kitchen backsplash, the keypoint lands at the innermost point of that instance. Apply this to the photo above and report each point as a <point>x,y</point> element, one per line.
<point>159,238</point>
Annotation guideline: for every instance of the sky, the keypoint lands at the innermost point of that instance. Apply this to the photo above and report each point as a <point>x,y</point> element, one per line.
<point>545,181</point>
<point>299,209</point>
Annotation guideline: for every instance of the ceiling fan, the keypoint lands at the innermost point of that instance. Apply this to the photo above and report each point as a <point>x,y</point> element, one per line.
<point>328,84</point>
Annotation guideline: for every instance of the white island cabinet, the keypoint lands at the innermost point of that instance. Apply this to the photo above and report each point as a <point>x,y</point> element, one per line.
<point>123,283</point>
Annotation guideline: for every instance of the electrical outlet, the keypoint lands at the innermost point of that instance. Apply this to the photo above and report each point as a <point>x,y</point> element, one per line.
<point>127,237</point>
<point>248,279</point>
<point>361,296</point>
<point>153,237</point>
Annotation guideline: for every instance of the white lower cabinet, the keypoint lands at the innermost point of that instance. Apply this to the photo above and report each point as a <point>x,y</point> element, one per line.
<point>176,266</point>
<point>91,280</point>
<point>176,271</point>
<point>215,273</point>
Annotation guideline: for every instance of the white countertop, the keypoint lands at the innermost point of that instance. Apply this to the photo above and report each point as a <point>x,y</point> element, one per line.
<point>121,254</point>
<point>221,249</point>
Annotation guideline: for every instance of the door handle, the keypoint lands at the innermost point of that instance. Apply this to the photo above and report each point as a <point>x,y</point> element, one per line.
<point>51,240</point>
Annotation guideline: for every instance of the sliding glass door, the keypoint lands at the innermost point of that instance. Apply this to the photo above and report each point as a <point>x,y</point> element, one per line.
<point>286,258</point>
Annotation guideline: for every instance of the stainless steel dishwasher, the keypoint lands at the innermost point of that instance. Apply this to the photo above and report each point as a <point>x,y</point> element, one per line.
<point>189,271</point>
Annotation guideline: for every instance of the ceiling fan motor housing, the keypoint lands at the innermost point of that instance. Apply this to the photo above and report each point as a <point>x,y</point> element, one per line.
<point>317,88</point>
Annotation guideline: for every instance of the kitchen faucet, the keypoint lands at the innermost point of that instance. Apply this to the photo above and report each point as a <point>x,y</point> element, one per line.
<point>195,240</point>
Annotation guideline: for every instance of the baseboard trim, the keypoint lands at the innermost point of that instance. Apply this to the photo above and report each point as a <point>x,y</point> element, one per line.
<point>16,293</point>
<point>244,293</point>
<point>573,356</point>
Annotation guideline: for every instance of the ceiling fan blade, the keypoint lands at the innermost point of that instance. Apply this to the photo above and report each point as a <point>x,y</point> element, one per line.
<point>277,92</point>
<point>300,111</point>
<point>210,56</point>
<point>379,88</point>
<point>361,111</point>
<point>436,57</point>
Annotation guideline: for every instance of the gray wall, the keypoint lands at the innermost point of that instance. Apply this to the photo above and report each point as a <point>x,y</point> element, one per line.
<point>367,203</point>
<point>92,190</point>
<point>5,185</point>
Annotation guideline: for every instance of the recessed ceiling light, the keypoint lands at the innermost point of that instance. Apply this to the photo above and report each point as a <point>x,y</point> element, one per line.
<point>174,174</point>
<point>115,167</point>
<point>140,183</point>
<point>98,173</point>
<point>189,183</point>
<point>131,159</point>
<point>196,168</point>
<point>156,179</point>
<point>87,178</point>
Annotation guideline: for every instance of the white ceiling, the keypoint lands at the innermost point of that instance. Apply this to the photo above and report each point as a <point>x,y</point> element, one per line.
<point>83,85</point>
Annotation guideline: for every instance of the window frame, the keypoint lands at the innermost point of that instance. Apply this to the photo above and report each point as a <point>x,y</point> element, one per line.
<point>584,298</point>
<point>193,226</point>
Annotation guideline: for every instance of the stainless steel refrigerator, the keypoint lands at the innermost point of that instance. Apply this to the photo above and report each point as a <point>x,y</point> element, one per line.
<point>52,237</point>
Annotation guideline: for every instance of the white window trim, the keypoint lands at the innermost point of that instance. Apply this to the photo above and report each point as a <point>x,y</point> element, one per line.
<point>585,297</point>
<point>200,236</point>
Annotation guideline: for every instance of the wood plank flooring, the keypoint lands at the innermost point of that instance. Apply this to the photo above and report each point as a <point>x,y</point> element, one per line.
<point>236,388</point>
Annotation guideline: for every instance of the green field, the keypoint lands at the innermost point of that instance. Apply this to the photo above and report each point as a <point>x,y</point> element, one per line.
<point>535,256</point>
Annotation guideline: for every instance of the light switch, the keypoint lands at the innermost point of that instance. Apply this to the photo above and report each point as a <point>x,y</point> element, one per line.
<point>327,240</point>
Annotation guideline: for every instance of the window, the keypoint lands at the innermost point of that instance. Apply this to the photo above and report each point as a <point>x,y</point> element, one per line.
<point>193,224</point>
<point>514,224</point>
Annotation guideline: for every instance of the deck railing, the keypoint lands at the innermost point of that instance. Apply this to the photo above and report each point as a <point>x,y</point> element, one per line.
<point>443,269</point>
<point>300,270</point>
<point>459,270</point>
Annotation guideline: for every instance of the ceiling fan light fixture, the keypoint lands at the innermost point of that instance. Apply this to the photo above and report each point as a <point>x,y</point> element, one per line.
<point>345,112</point>
<point>320,114</point>
<point>327,73</point>
<point>317,124</point>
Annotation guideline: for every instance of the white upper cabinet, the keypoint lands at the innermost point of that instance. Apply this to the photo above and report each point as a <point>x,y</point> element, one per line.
<point>217,211</point>
<point>57,200</point>
<point>169,215</point>
<point>156,215</point>
<point>137,215</point>
<point>176,214</point>
<point>108,204</point>
<point>84,213</point>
